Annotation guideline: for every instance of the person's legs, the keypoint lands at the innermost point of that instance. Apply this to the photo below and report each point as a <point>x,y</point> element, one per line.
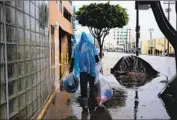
<point>92,96</point>
<point>83,87</point>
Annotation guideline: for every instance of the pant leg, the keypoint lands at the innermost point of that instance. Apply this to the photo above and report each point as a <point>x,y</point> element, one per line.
<point>83,84</point>
<point>92,95</point>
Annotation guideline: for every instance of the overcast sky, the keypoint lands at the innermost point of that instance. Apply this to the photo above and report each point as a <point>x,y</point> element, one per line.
<point>146,21</point>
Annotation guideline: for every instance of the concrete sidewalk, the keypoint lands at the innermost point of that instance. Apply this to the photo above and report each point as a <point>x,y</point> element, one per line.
<point>60,107</point>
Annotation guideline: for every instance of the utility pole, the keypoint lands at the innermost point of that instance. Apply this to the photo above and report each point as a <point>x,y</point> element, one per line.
<point>128,39</point>
<point>168,10</point>
<point>137,27</point>
<point>151,41</point>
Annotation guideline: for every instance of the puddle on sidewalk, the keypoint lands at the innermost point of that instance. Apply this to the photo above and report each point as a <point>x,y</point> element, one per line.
<point>128,103</point>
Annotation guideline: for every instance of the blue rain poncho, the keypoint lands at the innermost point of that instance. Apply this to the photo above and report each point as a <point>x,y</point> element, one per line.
<point>84,56</point>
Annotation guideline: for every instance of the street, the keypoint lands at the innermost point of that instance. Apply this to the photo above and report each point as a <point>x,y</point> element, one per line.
<point>138,103</point>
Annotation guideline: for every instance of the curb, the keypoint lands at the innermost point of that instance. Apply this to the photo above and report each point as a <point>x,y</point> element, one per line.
<point>52,96</point>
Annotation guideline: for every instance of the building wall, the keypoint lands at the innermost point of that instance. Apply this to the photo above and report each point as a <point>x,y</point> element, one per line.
<point>58,20</point>
<point>24,64</point>
<point>159,44</point>
<point>27,76</point>
<point>121,36</point>
<point>144,47</point>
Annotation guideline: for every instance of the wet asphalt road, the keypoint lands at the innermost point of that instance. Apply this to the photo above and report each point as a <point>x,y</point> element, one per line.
<point>134,103</point>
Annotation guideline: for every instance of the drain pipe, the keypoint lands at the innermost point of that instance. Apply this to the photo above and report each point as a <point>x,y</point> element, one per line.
<point>6,69</point>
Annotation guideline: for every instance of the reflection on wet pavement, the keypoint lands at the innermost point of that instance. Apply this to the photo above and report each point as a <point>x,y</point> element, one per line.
<point>118,99</point>
<point>70,118</point>
<point>101,113</point>
<point>135,101</point>
<point>132,81</point>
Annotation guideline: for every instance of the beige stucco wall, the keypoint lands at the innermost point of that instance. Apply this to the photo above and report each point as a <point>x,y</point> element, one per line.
<point>56,17</point>
<point>144,48</point>
<point>159,44</point>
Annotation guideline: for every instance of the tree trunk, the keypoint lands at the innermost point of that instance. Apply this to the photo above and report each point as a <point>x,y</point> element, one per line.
<point>101,51</point>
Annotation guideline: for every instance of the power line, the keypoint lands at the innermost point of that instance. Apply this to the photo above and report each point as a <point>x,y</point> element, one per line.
<point>168,10</point>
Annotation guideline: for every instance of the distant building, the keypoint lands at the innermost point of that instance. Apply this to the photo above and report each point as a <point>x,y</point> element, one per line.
<point>153,46</point>
<point>118,39</point>
<point>121,36</point>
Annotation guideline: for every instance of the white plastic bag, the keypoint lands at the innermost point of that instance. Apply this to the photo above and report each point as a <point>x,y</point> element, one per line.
<point>70,84</point>
<point>104,90</point>
<point>97,72</point>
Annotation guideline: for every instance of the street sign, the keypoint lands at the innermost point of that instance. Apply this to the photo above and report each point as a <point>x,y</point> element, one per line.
<point>169,1</point>
<point>142,6</point>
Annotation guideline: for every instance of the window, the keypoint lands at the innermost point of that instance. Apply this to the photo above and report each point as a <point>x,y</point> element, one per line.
<point>27,21</point>
<point>2,74</point>
<point>11,52</point>
<point>11,70</point>
<point>1,33</point>
<point>10,33</point>
<point>27,37</point>
<point>11,3</point>
<point>10,15</point>
<point>21,69</point>
<point>21,85</point>
<point>33,42</point>
<point>13,106</point>
<point>12,88</point>
<point>27,67</point>
<point>19,18</point>
<point>19,4</point>
<point>26,6</point>
<point>22,102</point>
<point>27,53</point>
<point>2,94</point>
<point>32,8</point>
<point>33,23</point>
<point>20,53</point>
<point>67,15</point>
<point>20,36</point>
<point>1,13</point>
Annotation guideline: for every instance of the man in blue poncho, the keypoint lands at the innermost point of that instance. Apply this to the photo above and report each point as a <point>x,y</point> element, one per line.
<point>84,59</point>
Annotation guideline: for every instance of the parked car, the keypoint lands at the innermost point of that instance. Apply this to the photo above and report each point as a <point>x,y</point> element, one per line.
<point>172,54</point>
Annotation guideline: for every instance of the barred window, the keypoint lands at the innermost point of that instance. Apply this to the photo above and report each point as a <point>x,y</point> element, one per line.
<point>11,52</point>
<point>1,13</point>
<point>10,15</point>
<point>26,6</point>
<point>20,36</point>
<point>32,9</point>
<point>27,21</point>
<point>19,18</point>
<point>2,53</point>
<point>10,34</point>
<point>12,70</point>
<point>19,4</point>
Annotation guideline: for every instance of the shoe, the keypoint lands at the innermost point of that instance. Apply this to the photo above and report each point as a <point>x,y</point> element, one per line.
<point>85,114</point>
<point>84,110</point>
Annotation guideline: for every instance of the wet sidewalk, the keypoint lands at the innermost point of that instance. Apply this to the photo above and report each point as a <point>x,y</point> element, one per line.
<point>60,108</point>
<point>127,103</point>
